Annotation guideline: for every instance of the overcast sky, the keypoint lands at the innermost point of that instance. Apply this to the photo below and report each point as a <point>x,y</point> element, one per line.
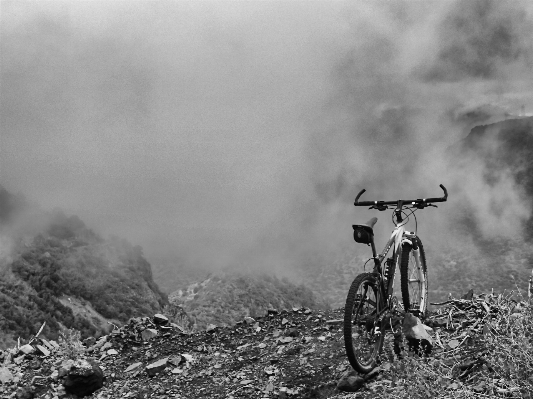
<point>214,130</point>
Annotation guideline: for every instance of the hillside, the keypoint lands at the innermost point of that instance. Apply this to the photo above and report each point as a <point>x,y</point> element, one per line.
<point>61,273</point>
<point>224,298</point>
<point>481,348</point>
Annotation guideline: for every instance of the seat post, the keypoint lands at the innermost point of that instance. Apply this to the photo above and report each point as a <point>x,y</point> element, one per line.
<point>374,253</point>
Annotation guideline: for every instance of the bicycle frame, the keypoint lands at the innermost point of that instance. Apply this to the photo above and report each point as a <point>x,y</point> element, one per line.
<point>398,237</point>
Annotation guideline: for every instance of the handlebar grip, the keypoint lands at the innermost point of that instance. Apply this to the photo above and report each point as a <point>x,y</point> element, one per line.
<point>358,195</point>
<point>445,192</point>
<point>439,199</point>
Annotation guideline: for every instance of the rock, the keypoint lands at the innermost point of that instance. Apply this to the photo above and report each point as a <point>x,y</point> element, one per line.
<point>188,358</point>
<point>27,349</point>
<point>211,328</point>
<point>176,360</point>
<point>5,375</point>
<point>25,393</point>
<point>416,334</point>
<point>83,378</point>
<point>133,366</point>
<point>272,312</point>
<point>350,382</point>
<point>157,367</point>
<point>160,320</point>
<point>148,334</point>
<point>106,346</point>
<point>90,341</point>
<point>98,343</point>
<point>112,352</point>
<point>19,359</point>
<point>54,344</point>
<point>249,320</point>
<point>292,332</point>
<point>43,350</point>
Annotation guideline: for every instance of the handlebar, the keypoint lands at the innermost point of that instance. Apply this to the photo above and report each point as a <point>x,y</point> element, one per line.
<point>420,202</point>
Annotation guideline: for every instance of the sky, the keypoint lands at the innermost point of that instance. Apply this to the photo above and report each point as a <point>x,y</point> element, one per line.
<point>224,133</point>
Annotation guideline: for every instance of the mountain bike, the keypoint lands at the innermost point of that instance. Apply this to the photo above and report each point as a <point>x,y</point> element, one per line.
<point>370,299</point>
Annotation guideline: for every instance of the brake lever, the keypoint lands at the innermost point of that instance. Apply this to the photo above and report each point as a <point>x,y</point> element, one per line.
<point>379,208</point>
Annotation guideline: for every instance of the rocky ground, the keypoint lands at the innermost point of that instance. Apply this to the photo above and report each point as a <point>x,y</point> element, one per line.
<point>296,353</point>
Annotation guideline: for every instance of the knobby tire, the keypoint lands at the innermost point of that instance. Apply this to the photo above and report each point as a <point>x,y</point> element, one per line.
<point>412,291</point>
<point>360,323</point>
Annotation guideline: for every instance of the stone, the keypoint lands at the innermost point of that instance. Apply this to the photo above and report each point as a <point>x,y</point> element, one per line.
<point>83,378</point>
<point>416,334</point>
<point>350,382</point>
<point>54,344</point>
<point>188,358</point>
<point>19,359</point>
<point>106,346</point>
<point>148,334</point>
<point>47,344</point>
<point>211,328</point>
<point>43,350</point>
<point>26,392</point>
<point>160,320</point>
<point>156,367</point>
<point>5,375</point>
<point>112,352</point>
<point>177,360</point>
<point>27,349</point>
<point>249,320</point>
<point>133,366</point>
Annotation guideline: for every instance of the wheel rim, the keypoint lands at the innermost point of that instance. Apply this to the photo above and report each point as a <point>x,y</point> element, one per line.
<point>365,333</point>
<point>417,283</point>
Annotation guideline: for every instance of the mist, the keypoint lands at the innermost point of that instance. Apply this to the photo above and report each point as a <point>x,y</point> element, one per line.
<point>237,133</point>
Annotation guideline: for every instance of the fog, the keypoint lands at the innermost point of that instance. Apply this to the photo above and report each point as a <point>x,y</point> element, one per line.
<point>219,133</point>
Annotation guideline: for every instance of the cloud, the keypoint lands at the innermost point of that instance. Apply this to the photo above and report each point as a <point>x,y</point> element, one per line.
<point>239,132</point>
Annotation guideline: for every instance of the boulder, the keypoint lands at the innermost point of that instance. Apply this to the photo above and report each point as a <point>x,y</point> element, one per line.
<point>27,349</point>
<point>5,375</point>
<point>83,378</point>
<point>160,320</point>
<point>148,334</point>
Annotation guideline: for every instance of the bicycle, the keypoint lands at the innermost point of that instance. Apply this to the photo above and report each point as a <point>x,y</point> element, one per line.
<point>370,298</point>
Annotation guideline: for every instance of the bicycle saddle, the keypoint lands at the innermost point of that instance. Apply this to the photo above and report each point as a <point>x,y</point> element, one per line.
<point>368,226</point>
<point>364,233</point>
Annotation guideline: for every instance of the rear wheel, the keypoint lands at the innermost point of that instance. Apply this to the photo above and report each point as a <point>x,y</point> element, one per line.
<point>363,332</point>
<point>414,281</point>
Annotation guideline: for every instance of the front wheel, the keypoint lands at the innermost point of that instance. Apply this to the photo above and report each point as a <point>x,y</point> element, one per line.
<point>414,280</point>
<point>363,332</point>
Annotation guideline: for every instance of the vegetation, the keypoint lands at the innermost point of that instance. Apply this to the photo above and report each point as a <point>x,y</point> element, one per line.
<point>66,262</point>
<point>497,361</point>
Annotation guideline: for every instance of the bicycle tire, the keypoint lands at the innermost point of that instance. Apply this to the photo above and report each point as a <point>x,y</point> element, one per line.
<point>363,338</point>
<point>414,280</point>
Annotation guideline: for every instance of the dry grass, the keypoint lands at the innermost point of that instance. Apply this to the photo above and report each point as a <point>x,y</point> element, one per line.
<point>496,360</point>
